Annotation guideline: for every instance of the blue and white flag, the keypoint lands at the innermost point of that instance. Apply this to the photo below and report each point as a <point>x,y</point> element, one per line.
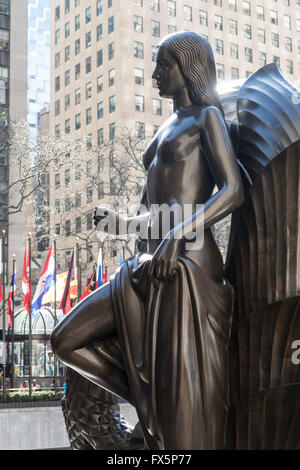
<point>99,268</point>
<point>45,283</point>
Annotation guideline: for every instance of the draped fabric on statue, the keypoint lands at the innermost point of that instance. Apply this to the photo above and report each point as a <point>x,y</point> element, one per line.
<point>187,318</point>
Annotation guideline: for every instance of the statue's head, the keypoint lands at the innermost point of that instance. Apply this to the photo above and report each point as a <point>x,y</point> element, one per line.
<point>194,57</point>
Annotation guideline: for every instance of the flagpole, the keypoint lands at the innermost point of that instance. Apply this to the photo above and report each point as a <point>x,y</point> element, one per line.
<point>3,312</point>
<point>78,268</point>
<point>13,327</point>
<point>30,325</point>
<point>79,278</point>
<point>55,313</point>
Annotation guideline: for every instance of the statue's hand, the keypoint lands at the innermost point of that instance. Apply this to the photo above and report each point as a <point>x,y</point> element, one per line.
<point>106,220</point>
<point>164,260</point>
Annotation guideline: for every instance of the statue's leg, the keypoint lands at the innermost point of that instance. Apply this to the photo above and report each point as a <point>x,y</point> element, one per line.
<point>72,342</point>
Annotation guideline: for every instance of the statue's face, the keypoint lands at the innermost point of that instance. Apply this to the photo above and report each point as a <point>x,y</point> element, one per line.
<point>167,73</point>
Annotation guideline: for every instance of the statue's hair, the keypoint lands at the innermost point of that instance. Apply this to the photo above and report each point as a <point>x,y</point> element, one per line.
<point>195,59</point>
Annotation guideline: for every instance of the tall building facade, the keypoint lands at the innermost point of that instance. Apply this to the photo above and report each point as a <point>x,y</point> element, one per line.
<point>102,60</point>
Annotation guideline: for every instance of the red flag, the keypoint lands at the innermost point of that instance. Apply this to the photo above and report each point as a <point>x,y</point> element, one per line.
<point>65,304</point>
<point>91,286</point>
<point>11,297</point>
<point>104,279</point>
<point>1,293</point>
<point>25,281</point>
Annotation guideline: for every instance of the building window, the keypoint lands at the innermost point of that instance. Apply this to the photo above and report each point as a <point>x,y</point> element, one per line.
<point>235,73</point>
<point>67,126</point>
<point>99,7</point>
<point>67,29</point>
<point>57,229</point>
<point>67,6</point>
<point>67,204</point>
<point>153,53</point>
<point>233,29</point>
<point>139,76</point>
<point>89,194</point>
<point>99,32</point>
<point>77,121</point>
<point>100,110</point>
<point>57,13</point>
<point>57,130</point>
<point>297,25</point>
<point>78,172</point>
<point>276,60</point>
<point>139,3</point>
<point>262,59</point>
<point>77,199</point>
<point>218,22</point>
<point>78,224</point>
<point>57,36</point>
<point>246,8</point>
<point>247,31</point>
<point>88,39</point>
<point>88,117</point>
<point>99,57</point>
<point>220,71</point>
<point>111,77</point>
<point>77,46</point>
<point>234,51</point>
<point>89,165</point>
<point>112,131</point>
<point>156,107</point>
<point>232,5</point>
<point>77,96</point>
<point>57,182</point>
<point>219,46</point>
<point>111,25</point>
<point>67,102</point>
<point>100,84</point>
<point>112,104</point>
<point>218,3</point>
<point>88,64</point>
<point>275,39</point>
<point>77,22</point>
<point>289,66</point>
<point>77,71</point>
<point>138,24</point>
<point>57,59</point>
<point>67,53</point>
<point>171,6</point>
<point>88,141</point>
<point>88,90</point>
<point>109,3</point>
<point>187,13</point>
<point>155,28</point>
<point>139,103</point>
<point>100,136</point>
<point>4,40</point>
<point>89,226</point>
<point>100,163</point>
<point>154,5</point>
<point>260,12</point>
<point>287,22</point>
<point>140,129</point>
<point>111,50</point>
<point>261,35</point>
<point>171,29</point>
<point>67,228</point>
<point>67,177</point>
<point>57,83</point>
<point>100,190</point>
<point>138,49</point>
<point>274,17</point>
<point>203,17</point>
<point>248,54</point>
<point>288,44</point>
<point>88,14</point>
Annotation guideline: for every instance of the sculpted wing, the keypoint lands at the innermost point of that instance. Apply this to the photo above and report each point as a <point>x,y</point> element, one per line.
<point>263,265</point>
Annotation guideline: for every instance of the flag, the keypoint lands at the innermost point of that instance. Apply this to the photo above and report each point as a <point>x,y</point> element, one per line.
<point>65,304</point>
<point>26,288</point>
<point>45,283</point>
<point>61,278</point>
<point>1,293</point>
<point>105,276</point>
<point>99,268</point>
<point>90,287</point>
<point>11,297</point>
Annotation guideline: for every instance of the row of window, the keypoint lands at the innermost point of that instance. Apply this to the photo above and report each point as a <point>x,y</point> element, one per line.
<point>88,40</point>
<point>246,5</point>
<point>78,225</point>
<point>88,10</point>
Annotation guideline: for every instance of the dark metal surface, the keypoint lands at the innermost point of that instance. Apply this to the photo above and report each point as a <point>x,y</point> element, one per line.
<point>172,327</point>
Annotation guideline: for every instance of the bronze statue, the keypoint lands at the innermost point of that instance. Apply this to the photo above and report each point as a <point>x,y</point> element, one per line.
<point>157,335</point>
